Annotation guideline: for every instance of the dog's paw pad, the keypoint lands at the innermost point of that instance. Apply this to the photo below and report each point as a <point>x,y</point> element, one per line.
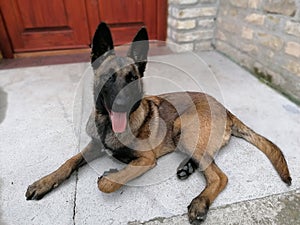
<point>197,210</point>
<point>199,220</point>
<point>182,174</point>
<point>185,169</point>
<point>37,190</point>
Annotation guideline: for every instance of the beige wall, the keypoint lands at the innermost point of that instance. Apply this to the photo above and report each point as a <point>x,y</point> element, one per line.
<point>192,23</point>
<point>264,37</point>
<point>261,35</point>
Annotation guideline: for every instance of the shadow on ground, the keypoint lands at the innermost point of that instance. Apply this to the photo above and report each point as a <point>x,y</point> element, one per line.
<point>3,107</point>
<point>1,220</point>
<point>3,104</point>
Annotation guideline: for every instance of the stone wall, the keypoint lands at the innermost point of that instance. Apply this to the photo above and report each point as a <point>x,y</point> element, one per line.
<point>261,35</point>
<point>264,37</point>
<point>191,24</point>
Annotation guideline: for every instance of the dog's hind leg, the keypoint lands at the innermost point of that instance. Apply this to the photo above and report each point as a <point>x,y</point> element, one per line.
<point>216,182</point>
<point>186,168</point>
<point>38,189</point>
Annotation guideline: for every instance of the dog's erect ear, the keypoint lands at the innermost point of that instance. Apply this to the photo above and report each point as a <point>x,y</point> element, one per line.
<point>102,43</point>
<point>139,49</point>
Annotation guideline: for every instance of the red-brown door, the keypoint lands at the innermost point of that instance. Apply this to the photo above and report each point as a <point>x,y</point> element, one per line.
<point>43,25</point>
<point>35,25</point>
<point>126,17</point>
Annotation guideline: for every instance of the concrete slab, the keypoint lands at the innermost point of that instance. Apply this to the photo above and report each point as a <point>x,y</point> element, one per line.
<point>38,137</point>
<point>275,209</point>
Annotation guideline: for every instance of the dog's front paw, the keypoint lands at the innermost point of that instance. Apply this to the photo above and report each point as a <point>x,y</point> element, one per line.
<point>107,183</point>
<point>197,210</point>
<point>38,189</point>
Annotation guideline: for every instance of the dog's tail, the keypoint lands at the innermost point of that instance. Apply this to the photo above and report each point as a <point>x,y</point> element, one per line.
<point>275,155</point>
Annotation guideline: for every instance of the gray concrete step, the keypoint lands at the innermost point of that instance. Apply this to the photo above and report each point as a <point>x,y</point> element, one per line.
<point>37,136</point>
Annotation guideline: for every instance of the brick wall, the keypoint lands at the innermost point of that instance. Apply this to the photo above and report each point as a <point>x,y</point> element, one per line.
<point>191,24</point>
<point>261,35</point>
<point>264,37</point>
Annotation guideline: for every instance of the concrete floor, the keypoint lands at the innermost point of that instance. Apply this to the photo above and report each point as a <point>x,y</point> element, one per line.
<point>37,120</point>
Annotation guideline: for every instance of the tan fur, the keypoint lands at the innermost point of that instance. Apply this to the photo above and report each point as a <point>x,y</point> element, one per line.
<point>216,126</point>
<point>39,188</point>
<point>194,123</point>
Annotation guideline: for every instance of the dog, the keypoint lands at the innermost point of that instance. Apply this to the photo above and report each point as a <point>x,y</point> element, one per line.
<point>138,129</point>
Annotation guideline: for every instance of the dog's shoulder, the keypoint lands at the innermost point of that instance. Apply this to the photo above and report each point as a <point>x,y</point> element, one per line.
<point>153,98</point>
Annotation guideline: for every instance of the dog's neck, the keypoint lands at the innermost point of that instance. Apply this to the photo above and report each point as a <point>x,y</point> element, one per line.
<point>136,118</point>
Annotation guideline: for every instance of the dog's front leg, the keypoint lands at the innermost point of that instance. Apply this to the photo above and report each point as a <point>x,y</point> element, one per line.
<point>38,189</point>
<point>113,181</point>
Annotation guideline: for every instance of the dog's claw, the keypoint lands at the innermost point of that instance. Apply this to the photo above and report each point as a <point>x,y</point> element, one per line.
<point>199,218</point>
<point>288,181</point>
<point>185,172</point>
<point>32,193</point>
<point>39,189</point>
<point>197,210</point>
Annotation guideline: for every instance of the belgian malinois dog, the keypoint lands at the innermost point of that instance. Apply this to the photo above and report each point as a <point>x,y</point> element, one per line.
<point>138,129</point>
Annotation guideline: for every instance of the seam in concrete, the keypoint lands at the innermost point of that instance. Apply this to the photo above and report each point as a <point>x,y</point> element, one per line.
<point>155,219</point>
<point>75,197</point>
<point>261,79</point>
<point>214,39</point>
<point>66,116</point>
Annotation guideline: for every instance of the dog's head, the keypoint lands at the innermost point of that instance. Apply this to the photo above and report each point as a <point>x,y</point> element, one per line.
<point>118,88</point>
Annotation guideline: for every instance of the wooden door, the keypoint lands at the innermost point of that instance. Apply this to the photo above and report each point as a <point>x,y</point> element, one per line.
<point>126,17</point>
<point>43,25</point>
<point>35,25</point>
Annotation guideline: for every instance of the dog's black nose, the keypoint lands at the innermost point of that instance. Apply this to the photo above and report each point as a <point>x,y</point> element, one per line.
<point>121,105</point>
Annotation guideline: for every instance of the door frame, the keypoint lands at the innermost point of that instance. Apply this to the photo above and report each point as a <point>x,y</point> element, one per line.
<point>162,25</point>
<point>5,44</point>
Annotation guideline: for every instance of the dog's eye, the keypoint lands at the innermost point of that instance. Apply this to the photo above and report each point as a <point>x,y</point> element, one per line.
<point>112,78</point>
<point>131,77</point>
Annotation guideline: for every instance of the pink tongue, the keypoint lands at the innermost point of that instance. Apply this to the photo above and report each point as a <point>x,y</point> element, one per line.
<point>119,121</point>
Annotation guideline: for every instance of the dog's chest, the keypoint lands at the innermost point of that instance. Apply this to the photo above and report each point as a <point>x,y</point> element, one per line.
<point>115,145</point>
<point>117,149</point>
